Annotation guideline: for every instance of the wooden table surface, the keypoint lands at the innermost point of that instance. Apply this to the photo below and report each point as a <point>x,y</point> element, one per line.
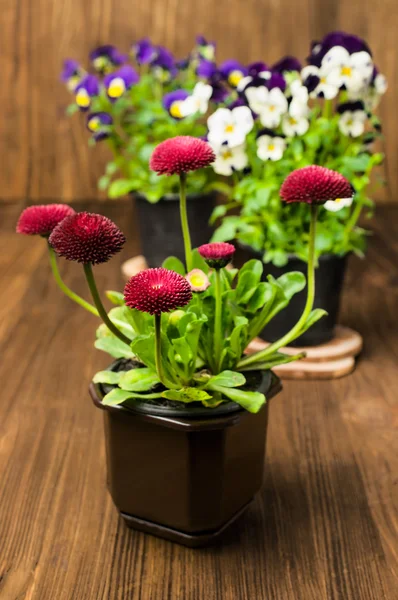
<point>325,524</point>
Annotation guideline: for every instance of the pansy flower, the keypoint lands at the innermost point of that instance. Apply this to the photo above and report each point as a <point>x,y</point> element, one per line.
<point>99,124</point>
<point>198,101</point>
<point>230,126</point>
<point>318,83</point>
<point>87,89</point>
<point>287,64</point>
<point>143,51</point>
<point>353,71</point>
<point>351,43</point>
<point>105,58</point>
<point>72,74</point>
<point>206,69</point>
<point>174,103</point>
<point>270,146</point>
<point>353,118</point>
<point>269,105</point>
<point>229,159</point>
<point>205,49</point>
<point>163,64</point>
<point>296,122</point>
<point>119,81</point>
<point>233,71</point>
<point>257,68</point>
<point>338,204</point>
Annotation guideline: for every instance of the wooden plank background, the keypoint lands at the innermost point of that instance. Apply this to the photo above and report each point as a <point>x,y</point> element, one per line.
<point>45,155</point>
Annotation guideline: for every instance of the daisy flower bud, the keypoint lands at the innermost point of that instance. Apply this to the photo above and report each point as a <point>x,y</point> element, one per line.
<point>157,291</point>
<point>198,280</point>
<point>315,185</point>
<point>181,154</point>
<point>41,219</point>
<point>87,238</point>
<point>218,254</point>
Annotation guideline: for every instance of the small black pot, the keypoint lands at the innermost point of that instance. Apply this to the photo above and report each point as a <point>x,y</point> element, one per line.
<point>185,478</point>
<point>160,229</point>
<point>329,278</point>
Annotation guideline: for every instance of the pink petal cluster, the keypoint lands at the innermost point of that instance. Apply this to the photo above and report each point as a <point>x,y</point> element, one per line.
<point>217,254</point>
<point>181,154</point>
<point>41,219</point>
<point>157,291</point>
<point>315,185</point>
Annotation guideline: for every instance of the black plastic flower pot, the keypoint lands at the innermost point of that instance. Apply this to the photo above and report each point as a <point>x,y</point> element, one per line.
<point>160,229</point>
<point>329,279</point>
<point>185,475</point>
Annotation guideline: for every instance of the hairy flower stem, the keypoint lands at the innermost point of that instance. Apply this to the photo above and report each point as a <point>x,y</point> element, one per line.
<point>64,288</point>
<point>88,271</point>
<point>218,320</point>
<point>295,331</point>
<point>184,222</point>
<point>158,354</point>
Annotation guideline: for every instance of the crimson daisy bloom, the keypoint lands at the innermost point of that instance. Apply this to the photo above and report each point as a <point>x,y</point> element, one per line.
<point>41,219</point>
<point>315,185</point>
<point>87,238</point>
<point>157,291</point>
<point>181,154</point>
<point>218,254</point>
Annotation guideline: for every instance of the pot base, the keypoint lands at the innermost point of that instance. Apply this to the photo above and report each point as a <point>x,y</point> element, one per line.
<point>191,540</point>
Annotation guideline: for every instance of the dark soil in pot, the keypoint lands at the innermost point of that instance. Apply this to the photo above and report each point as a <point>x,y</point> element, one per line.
<point>160,229</point>
<point>329,279</point>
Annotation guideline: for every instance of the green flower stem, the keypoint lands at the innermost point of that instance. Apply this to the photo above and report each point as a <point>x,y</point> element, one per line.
<point>352,221</point>
<point>295,331</point>
<point>88,271</point>
<point>64,288</point>
<point>218,320</point>
<point>327,109</point>
<point>184,222</point>
<point>158,354</point>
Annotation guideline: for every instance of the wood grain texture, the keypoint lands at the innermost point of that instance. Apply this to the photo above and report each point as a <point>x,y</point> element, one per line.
<point>325,524</point>
<point>45,154</point>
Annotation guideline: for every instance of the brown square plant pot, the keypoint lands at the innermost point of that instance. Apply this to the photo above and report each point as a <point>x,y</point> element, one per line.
<point>185,479</point>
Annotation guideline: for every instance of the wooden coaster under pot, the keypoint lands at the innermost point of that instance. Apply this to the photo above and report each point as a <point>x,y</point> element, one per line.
<point>327,361</point>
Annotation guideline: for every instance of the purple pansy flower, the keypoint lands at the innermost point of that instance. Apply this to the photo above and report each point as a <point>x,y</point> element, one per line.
<point>287,63</point>
<point>233,71</point>
<point>256,68</point>
<point>119,81</point>
<point>172,102</point>
<point>163,64</point>
<point>276,81</point>
<point>311,82</point>
<point>206,69</point>
<point>104,58</point>
<point>206,50</point>
<point>72,73</point>
<point>99,124</point>
<point>351,43</point>
<point>144,51</point>
<point>85,90</point>
<point>220,92</point>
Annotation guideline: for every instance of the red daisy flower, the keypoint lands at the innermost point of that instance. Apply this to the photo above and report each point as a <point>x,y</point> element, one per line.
<point>87,238</point>
<point>41,219</point>
<point>315,185</point>
<point>218,254</point>
<point>156,291</point>
<point>180,155</point>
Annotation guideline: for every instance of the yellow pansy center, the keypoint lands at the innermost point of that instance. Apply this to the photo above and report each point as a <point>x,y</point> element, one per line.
<point>226,154</point>
<point>292,121</point>
<point>347,71</point>
<point>271,147</point>
<point>323,80</point>
<point>229,128</point>
<point>175,110</point>
<point>234,77</point>
<point>271,107</point>
<point>116,87</point>
<point>350,121</point>
<point>94,124</point>
<point>82,98</point>
<point>100,63</point>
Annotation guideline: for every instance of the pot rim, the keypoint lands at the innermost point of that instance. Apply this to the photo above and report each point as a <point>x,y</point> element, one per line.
<point>323,257</point>
<point>189,418</point>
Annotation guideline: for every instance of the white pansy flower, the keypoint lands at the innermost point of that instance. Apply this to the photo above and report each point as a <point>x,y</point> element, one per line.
<point>298,106</point>
<point>230,126</point>
<point>328,89</point>
<point>339,67</point>
<point>270,147</point>
<point>294,125</point>
<point>270,105</point>
<point>229,159</point>
<point>198,101</point>
<point>352,122</point>
<point>338,204</point>
<point>380,84</point>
